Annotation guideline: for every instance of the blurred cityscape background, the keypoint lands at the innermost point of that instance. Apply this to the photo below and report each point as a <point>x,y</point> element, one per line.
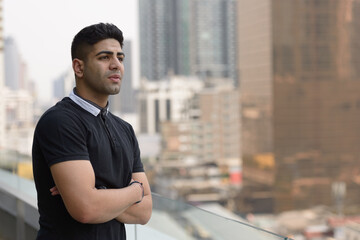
<point>250,104</point>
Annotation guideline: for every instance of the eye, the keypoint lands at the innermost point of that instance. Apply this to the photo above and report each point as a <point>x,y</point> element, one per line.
<point>104,57</point>
<point>121,59</point>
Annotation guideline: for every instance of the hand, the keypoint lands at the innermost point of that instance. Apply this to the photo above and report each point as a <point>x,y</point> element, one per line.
<point>54,191</point>
<point>133,182</point>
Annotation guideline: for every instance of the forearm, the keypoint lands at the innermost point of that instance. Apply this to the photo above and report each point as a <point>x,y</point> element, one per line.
<point>83,201</point>
<point>108,208</point>
<point>106,204</point>
<point>139,213</point>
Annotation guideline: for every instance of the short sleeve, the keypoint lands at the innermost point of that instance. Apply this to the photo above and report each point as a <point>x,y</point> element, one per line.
<point>61,137</point>
<point>137,166</point>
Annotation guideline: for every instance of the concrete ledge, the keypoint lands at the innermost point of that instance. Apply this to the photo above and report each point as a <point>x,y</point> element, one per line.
<point>18,210</point>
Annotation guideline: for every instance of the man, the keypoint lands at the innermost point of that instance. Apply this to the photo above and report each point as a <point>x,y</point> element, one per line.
<point>87,167</point>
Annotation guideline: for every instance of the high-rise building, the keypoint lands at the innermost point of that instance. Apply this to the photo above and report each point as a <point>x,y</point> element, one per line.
<point>64,84</point>
<point>300,83</point>
<point>15,68</point>
<point>2,79</point>
<point>157,38</point>
<point>184,37</point>
<point>213,38</point>
<point>165,100</point>
<point>200,150</point>
<point>212,117</point>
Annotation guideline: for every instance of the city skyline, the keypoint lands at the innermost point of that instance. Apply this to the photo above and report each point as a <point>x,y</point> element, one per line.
<point>284,139</point>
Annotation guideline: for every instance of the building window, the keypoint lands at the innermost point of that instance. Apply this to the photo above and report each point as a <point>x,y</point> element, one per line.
<point>168,109</point>
<point>157,116</point>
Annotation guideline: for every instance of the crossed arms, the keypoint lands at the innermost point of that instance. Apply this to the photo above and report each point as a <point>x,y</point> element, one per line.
<point>75,182</point>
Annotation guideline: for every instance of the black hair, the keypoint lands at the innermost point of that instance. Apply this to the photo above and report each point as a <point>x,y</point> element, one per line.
<point>92,34</point>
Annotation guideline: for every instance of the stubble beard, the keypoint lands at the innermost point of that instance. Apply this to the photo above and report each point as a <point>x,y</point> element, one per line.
<point>113,90</point>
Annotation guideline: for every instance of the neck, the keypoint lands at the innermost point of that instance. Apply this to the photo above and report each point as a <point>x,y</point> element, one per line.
<point>97,99</point>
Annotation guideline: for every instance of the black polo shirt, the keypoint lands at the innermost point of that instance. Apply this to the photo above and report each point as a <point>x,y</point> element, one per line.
<point>74,129</point>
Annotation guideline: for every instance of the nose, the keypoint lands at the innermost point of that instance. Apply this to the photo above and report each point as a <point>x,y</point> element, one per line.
<point>115,64</point>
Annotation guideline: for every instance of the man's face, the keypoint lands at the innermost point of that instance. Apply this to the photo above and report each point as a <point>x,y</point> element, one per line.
<point>104,68</point>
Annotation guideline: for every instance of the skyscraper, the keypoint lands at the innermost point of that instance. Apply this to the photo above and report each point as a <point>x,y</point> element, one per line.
<point>185,37</point>
<point>300,84</point>
<point>213,38</point>
<point>157,37</point>
<point>64,84</point>
<point>12,64</point>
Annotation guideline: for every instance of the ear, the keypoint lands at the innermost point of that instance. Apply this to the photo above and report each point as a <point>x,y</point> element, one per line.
<point>78,67</point>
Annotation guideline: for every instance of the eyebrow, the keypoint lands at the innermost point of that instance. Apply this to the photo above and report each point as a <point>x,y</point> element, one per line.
<point>110,52</point>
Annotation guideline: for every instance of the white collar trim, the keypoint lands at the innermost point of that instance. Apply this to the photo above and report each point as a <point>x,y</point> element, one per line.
<point>84,104</point>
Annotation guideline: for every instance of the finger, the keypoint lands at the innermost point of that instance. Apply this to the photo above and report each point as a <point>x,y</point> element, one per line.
<point>54,193</point>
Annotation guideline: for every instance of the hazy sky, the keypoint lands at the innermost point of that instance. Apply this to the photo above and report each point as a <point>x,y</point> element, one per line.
<point>44,29</point>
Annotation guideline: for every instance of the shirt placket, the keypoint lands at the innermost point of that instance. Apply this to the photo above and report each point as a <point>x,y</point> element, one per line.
<point>105,121</point>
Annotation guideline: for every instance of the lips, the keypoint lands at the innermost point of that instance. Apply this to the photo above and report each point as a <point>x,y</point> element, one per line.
<point>115,77</point>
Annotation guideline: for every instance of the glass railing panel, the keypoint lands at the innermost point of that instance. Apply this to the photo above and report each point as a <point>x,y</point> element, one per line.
<point>135,232</point>
<point>20,187</point>
<point>170,220</point>
<point>178,220</point>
